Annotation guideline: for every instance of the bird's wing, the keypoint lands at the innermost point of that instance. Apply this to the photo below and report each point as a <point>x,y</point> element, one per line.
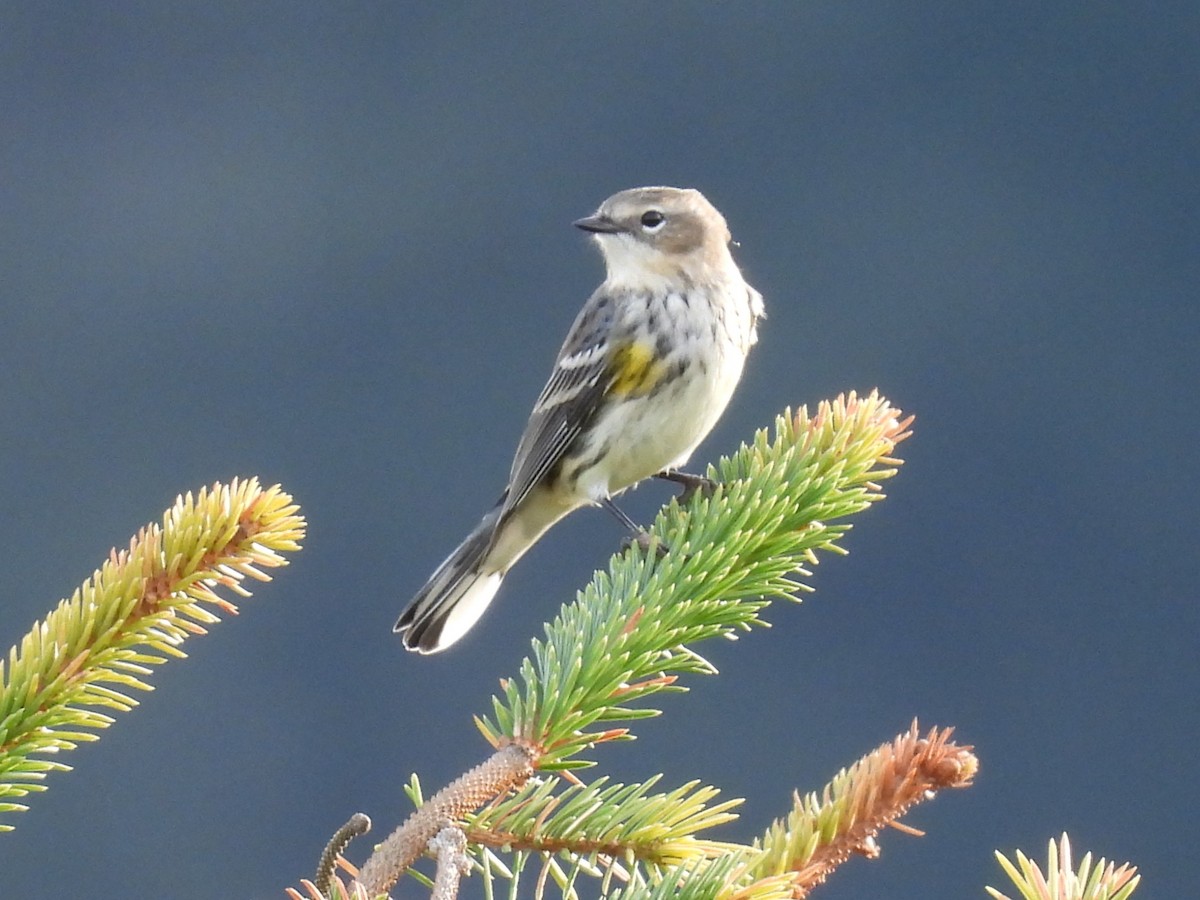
<point>569,401</point>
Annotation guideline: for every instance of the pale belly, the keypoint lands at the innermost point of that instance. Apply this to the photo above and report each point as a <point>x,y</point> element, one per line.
<point>647,435</point>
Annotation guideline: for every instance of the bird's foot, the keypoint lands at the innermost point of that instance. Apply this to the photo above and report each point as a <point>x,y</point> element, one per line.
<point>692,484</point>
<point>647,542</point>
<point>637,534</point>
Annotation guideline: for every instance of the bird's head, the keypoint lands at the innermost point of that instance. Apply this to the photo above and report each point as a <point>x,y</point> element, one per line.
<point>652,233</point>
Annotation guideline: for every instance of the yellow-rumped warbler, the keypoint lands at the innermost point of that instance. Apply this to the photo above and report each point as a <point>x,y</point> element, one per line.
<point>644,374</point>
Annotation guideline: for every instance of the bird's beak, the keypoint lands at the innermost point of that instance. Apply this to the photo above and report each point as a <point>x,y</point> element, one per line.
<point>599,225</point>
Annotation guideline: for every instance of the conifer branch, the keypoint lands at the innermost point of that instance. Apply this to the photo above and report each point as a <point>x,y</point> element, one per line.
<point>133,613</point>
<point>1102,881</point>
<point>627,637</point>
<point>601,820</point>
<point>822,832</point>
<point>697,880</point>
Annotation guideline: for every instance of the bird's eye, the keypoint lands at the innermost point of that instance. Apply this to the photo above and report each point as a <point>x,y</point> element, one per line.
<point>652,220</point>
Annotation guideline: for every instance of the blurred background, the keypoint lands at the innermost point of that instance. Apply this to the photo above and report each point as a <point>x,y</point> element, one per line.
<point>330,245</point>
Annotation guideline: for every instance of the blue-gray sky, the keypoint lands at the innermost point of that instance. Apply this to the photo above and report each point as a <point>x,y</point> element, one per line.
<point>331,246</point>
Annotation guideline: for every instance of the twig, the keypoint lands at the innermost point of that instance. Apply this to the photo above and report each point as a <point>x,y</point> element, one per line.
<point>450,848</point>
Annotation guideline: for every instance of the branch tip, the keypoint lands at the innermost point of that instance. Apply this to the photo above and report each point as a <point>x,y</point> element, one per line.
<point>357,824</point>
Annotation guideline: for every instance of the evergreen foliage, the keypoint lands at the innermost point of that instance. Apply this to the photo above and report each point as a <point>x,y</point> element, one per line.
<point>81,663</point>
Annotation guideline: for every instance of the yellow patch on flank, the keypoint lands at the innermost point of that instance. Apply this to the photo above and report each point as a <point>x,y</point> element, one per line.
<point>635,370</point>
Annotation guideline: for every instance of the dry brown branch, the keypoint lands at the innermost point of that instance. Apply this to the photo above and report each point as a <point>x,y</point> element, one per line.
<point>876,791</point>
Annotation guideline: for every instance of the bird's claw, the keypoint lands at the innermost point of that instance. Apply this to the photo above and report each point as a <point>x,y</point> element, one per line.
<point>692,484</point>
<point>647,542</point>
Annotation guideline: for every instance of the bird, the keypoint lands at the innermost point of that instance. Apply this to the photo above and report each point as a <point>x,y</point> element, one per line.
<point>647,368</point>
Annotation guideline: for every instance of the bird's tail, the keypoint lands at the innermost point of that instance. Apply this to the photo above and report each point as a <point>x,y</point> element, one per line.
<point>456,594</point>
